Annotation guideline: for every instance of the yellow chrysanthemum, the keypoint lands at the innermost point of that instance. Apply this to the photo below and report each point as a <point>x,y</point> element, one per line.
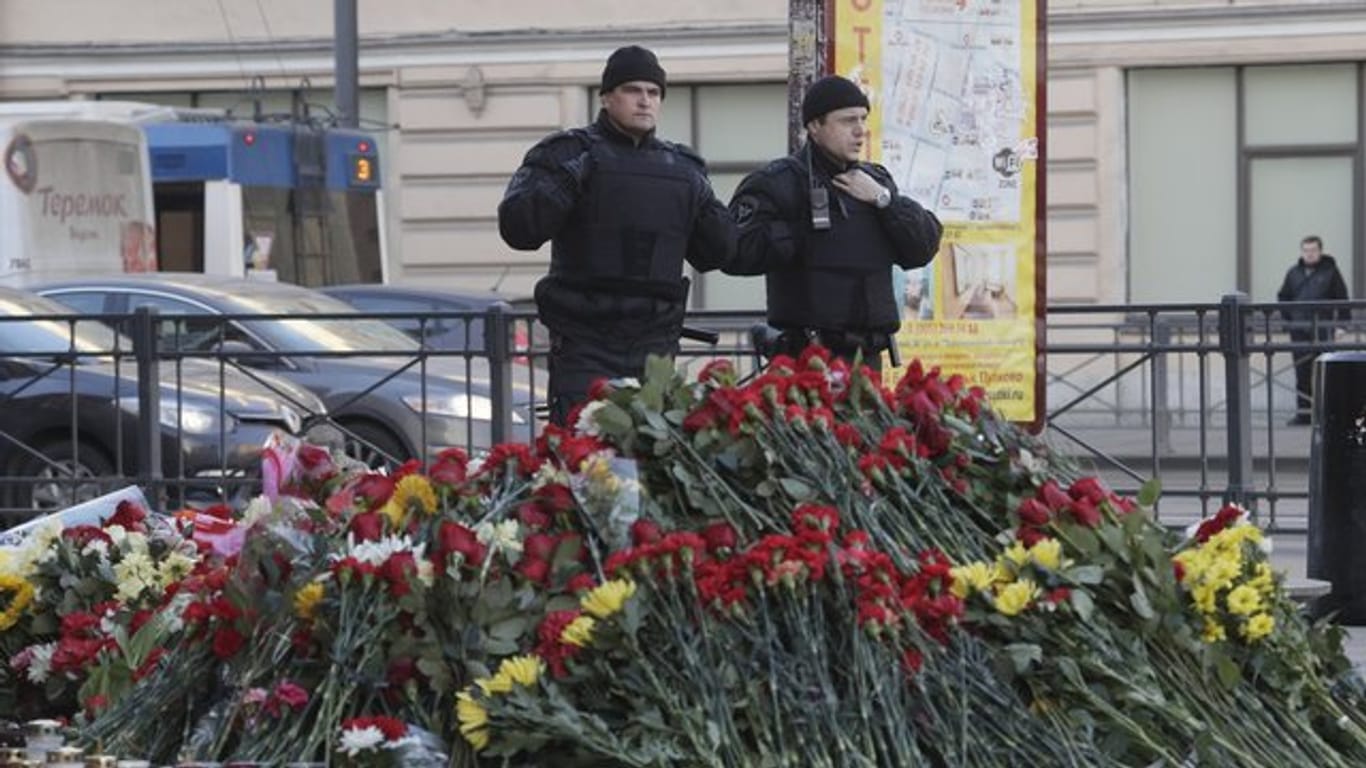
<point>1263,579</point>
<point>306,600</point>
<point>1257,627</point>
<point>1243,600</point>
<point>1017,555</point>
<point>415,490</point>
<point>579,632</point>
<point>522,670</point>
<point>1047,553</point>
<point>1205,597</point>
<point>20,593</point>
<point>474,720</point>
<point>607,598</point>
<point>394,513</point>
<point>1013,598</point>
<point>1214,631</point>
<point>501,682</point>
<point>973,577</point>
<point>1223,571</point>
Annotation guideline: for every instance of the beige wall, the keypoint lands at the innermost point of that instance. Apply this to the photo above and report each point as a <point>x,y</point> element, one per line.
<point>450,156</point>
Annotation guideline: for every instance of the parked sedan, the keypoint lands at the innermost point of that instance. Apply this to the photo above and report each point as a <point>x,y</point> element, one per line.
<point>455,334</point>
<point>69,411</point>
<point>393,400</point>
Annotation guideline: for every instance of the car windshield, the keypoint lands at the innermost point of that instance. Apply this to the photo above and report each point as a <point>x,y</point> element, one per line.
<point>23,336</point>
<point>305,334</point>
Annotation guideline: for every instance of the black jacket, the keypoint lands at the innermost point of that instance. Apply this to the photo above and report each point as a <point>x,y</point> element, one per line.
<point>547,199</point>
<point>1323,283</point>
<point>772,208</point>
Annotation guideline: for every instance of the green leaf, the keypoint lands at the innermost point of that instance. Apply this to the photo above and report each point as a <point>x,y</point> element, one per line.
<point>1227,671</point>
<point>509,629</point>
<point>1139,600</point>
<point>1082,604</point>
<point>614,419</point>
<point>1087,574</point>
<point>1151,490</point>
<point>798,490</point>
<point>1022,655</point>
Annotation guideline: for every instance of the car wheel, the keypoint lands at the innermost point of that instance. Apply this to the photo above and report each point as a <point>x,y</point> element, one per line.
<point>374,445</point>
<point>68,477</point>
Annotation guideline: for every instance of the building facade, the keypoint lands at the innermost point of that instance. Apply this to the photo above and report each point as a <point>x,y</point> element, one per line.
<point>1190,143</point>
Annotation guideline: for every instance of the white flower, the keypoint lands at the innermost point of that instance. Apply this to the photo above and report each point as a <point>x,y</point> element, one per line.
<point>376,552</point>
<point>175,610</point>
<point>503,537</point>
<point>626,382</point>
<point>40,662</point>
<point>258,508</point>
<point>98,548</point>
<point>357,740</point>
<point>587,424</point>
<point>116,534</point>
<point>175,567</point>
<point>549,474</point>
<point>136,572</point>
<point>426,572</point>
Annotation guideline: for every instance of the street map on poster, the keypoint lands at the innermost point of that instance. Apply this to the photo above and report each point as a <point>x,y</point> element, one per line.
<point>955,119</point>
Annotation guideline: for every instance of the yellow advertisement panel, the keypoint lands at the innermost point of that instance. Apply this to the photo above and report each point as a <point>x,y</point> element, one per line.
<point>956,118</point>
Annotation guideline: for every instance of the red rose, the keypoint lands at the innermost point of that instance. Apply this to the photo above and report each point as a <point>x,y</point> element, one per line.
<point>1033,512</point>
<point>451,467</point>
<point>532,516</point>
<point>536,571</point>
<point>1053,496</point>
<point>719,536</point>
<point>645,531</point>
<point>375,488</point>
<point>1088,488</point>
<point>555,497</point>
<point>367,526</point>
<point>581,583</point>
<point>227,641</point>
<point>1084,512</point>
<point>130,516</point>
<point>454,538</point>
<point>539,546</point>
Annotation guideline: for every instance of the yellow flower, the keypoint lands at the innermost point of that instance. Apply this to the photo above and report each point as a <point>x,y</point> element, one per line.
<point>1263,579</point>
<point>394,513</point>
<point>415,488</point>
<point>21,592</point>
<point>1257,627</point>
<point>1016,596</point>
<point>306,600</point>
<point>579,632</point>
<point>1244,600</point>
<point>974,577</point>
<point>1205,597</point>
<point>474,720</point>
<point>522,670</point>
<point>1214,631</point>
<point>1047,553</point>
<point>1017,554</point>
<point>501,682</point>
<point>608,598</point>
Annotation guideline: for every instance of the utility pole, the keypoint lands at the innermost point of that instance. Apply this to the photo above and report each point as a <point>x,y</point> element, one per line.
<point>806,59</point>
<point>346,46</point>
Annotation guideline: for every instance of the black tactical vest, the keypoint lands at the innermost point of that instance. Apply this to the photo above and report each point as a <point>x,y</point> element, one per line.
<point>629,233</point>
<point>843,280</point>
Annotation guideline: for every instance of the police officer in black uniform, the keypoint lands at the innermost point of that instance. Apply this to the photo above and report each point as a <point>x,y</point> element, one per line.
<point>826,231</point>
<point>623,210</point>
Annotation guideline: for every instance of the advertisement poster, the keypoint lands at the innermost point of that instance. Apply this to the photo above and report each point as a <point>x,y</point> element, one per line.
<point>957,119</point>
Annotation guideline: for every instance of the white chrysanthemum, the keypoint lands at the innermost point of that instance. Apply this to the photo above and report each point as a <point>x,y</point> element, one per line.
<point>258,508</point>
<point>502,537</point>
<point>97,547</point>
<point>549,474</point>
<point>376,552</point>
<point>40,662</point>
<point>174,611</point>
<point>116,534</point>
<point>136,572</point>
<point>357,740</point>
<point>587,424</point>
<point>135,543</point>
<point>175,567</point>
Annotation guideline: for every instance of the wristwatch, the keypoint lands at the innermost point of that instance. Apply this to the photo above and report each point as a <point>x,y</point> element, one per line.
<point>884,198</point>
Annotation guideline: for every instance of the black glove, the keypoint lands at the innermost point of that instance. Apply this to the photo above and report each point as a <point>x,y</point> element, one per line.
<point>579,169</point>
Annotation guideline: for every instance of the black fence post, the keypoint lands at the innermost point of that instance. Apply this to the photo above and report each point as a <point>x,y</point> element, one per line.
<point>1162,410</point>
<point>149,406</point>
<point>497,335</point>
<point>1238,385</point>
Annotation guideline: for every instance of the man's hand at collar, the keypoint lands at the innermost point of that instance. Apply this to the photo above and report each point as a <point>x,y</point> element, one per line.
<point>863,188</point>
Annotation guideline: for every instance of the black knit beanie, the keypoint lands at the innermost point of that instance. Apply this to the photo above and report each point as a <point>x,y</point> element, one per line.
<point>632,63</point>
<point>830,93</point>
